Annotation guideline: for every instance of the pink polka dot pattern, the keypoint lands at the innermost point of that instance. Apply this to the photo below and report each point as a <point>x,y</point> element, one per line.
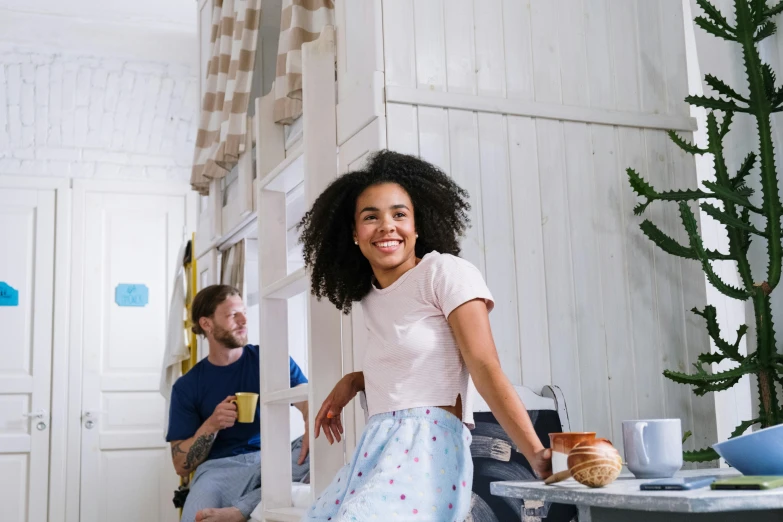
<point>376,485</point>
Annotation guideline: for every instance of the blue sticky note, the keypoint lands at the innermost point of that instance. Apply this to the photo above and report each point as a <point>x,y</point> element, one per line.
<point>131,295</point>
<point>8,295</point>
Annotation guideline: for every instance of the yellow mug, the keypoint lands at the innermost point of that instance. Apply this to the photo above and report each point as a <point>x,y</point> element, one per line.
<point>246,406</point>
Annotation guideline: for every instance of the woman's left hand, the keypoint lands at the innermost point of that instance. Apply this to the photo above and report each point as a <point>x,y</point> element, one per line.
<point>328,416</point>
<point>542,463</point>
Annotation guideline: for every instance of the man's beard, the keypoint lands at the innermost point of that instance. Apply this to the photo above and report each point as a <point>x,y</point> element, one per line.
<point>228,338</point>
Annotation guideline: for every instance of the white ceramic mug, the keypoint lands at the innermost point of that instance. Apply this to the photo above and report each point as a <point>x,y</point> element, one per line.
<point>653,448</point>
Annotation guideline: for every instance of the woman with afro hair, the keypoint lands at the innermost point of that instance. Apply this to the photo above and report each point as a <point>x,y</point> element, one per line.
<point>387,236</point>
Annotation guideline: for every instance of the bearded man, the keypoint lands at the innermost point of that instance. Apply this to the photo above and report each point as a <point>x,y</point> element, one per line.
<point>203,430</point>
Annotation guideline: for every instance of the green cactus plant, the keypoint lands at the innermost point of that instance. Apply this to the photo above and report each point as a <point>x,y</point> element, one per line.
<point>734,209</point>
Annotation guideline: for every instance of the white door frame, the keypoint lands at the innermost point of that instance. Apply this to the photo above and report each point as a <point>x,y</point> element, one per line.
<point>75,361</point>
<point>62,258</point>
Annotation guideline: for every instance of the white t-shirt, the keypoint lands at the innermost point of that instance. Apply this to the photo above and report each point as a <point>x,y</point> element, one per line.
<point>412,358</point>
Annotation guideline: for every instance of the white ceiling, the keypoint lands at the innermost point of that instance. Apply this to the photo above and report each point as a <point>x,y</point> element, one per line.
<point>175,15</point>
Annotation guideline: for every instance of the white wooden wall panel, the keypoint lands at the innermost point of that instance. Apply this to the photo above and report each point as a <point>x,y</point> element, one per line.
<point>665,266</point>
<point>584,300</point>
<point>459,43</point>
<point>586,258</point>
<point>598,60</point>
<point>651,74</point>
<point>529,252</point>
<point>675,66</point>
<point>571,45</point>
<point>464,164</point>
<point>434,136</point>
<point>402,128</point>
<point>400,64</point>
<point>519,64</point>
<point>625,53</point>
<point>608,178</point>
<point>490,70</point>
<point>639,273</point>
<point>498,250</point>
<point>546,60</point>
<point>430,46</point>
<point>558,272</point>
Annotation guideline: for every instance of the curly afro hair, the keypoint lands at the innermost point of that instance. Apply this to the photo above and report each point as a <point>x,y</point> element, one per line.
<point>338,269</point>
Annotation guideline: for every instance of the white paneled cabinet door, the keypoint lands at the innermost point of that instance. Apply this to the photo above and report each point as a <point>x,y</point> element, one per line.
<point>26,315</point>
<point>130,244</point>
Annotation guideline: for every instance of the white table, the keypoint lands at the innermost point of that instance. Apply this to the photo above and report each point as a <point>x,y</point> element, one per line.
<point>623,501</point>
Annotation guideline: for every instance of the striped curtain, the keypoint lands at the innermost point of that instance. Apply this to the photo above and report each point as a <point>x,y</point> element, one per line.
<point>302,21</point>
<point>223,124</point>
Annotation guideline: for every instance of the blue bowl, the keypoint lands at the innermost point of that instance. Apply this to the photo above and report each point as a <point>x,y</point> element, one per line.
<point>757,453</point>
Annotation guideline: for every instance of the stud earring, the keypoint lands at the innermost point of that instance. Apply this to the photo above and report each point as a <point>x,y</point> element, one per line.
<point>417,236</point>
<point>355,242</point>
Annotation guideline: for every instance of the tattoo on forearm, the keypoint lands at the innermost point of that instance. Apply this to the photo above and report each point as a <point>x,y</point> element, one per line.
<point>199,450</point>
<point>177,450</point>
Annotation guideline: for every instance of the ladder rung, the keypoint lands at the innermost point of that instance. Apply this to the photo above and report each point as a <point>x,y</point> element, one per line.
<point>287,396</point>
<point>287,287</point>
<point>288,514</point>
<point>283,178</point>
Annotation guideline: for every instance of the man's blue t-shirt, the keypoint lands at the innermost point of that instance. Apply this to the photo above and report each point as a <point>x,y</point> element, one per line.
<point>196,394</point>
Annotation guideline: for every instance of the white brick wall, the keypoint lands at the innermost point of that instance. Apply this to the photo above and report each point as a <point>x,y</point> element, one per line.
<point>80,116</point>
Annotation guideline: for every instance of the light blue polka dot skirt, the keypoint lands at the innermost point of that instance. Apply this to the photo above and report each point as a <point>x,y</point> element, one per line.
<point>409,465</point>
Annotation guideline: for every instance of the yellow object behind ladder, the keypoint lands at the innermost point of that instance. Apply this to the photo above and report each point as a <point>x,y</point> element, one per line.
<point>190,292</point>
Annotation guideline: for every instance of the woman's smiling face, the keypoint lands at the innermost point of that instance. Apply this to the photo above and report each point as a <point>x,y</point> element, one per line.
<point>385,230</point>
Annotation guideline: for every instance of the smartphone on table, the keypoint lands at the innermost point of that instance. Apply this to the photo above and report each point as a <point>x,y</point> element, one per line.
<point>749,482</point>
<point>678,483</point>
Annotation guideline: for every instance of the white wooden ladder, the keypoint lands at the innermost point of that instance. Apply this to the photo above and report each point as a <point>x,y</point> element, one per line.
<point>278,283</point>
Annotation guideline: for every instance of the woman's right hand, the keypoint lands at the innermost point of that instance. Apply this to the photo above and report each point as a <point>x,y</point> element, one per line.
<point>328,416</point>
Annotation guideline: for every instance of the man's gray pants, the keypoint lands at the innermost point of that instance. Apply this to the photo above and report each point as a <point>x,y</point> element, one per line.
<point>234,482</point>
